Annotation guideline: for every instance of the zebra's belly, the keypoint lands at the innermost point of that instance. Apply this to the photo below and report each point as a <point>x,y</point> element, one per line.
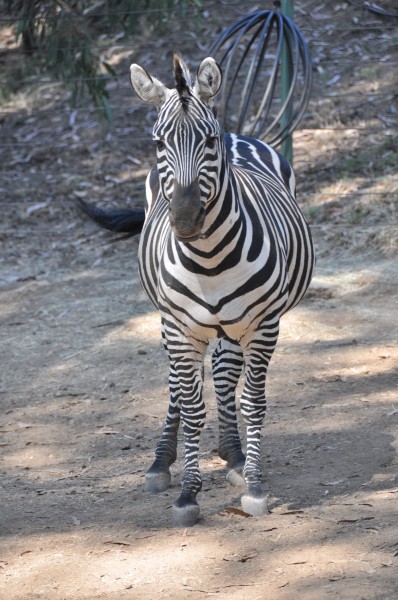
<point>208,316</point>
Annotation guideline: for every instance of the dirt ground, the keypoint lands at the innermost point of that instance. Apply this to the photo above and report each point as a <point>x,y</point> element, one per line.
<point>84,395</point>
<point>83,389</point>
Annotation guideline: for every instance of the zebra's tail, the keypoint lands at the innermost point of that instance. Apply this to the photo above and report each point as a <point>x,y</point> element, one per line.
<point>121,220</point>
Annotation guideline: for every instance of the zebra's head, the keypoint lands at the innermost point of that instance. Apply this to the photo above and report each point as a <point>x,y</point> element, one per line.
<point>188,141</point>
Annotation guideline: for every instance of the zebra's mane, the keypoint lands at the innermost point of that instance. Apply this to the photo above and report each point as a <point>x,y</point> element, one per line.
<point>183,81</point>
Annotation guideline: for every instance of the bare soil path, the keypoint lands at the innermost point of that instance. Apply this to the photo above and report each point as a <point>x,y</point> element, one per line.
<point>84,394</point>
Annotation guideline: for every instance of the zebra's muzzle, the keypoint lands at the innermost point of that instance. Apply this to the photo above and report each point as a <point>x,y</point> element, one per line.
<point>185,240</point>
<point>186,213</point>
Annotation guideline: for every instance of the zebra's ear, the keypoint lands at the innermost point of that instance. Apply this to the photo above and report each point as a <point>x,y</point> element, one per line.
<point>148,88</point>
<point>208,79</point>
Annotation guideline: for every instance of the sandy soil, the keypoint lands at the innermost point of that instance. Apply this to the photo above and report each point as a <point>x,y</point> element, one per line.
<point>84,383</point>
<point>84,395</point>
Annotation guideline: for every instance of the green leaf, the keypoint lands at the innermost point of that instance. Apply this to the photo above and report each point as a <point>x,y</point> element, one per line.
<point>109,68</point>
<point>108,110</point>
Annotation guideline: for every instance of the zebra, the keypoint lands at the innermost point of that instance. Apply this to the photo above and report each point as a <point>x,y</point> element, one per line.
<point>224,252</point>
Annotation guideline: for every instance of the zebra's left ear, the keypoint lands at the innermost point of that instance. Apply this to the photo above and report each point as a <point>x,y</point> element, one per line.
<point>208,79</point>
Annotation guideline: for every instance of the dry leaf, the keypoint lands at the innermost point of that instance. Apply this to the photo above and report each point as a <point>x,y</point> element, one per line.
<point>282,585</point>
<point>392,412</point>
<point>292,512</point>
<point>236,511</point>
<point>355,520</point>
<point>242,558</point>
<point>333,80</point>
<point>247,557</point>
<point>118,543</point>
<point>331,483</point>
<point>108,432</point>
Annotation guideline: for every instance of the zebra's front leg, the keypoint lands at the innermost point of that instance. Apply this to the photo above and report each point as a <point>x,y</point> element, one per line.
<point>189,368</point>
<point>253,407</point>
<point>227,362</point>
<point>157,478</point>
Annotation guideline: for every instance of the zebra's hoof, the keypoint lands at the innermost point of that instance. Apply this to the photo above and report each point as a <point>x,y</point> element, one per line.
<point>255,505</point>
<point>234,477</point>
<point>157,481</point>
<point>185,516</point>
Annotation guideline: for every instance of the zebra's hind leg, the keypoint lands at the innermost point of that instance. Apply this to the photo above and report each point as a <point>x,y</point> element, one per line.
<point>257,354</point>
<point>227,362</point>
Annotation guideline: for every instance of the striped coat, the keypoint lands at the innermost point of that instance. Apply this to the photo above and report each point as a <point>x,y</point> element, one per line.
<point>263,260</point>
<point>224,252</point>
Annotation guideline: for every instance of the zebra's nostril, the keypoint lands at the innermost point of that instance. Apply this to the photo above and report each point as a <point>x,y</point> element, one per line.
<point>186,212</point>
<point>200,217</point>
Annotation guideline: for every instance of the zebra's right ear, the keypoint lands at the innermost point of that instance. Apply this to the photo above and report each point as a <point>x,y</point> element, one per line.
<point>148,88</point>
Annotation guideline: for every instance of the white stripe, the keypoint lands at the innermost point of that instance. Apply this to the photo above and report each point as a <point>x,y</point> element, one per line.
<point>275,161</point>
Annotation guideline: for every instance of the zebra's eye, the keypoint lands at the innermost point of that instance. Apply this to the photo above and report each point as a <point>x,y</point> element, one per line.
<point>211,143</point>
<point>160,145</point>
